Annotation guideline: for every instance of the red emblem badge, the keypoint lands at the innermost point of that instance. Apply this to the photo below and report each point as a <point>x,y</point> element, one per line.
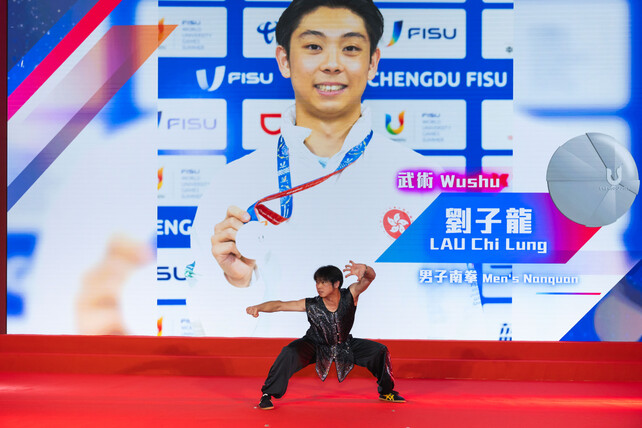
<point>396,222</point>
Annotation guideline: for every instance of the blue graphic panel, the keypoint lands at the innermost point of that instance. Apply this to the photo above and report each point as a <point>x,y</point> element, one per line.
<point>173,226</point>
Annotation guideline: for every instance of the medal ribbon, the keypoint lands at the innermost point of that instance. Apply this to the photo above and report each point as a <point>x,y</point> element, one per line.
<point>285,183</point>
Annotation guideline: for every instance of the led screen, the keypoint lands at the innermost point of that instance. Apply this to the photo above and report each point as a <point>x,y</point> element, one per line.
<point>139,132</point>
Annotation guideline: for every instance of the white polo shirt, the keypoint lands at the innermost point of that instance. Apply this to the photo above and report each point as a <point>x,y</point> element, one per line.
<point>344,218</point>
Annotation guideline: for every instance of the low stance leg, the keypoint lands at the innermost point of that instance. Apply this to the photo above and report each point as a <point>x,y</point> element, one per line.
<point>292,358</point>
<point>376,358</point>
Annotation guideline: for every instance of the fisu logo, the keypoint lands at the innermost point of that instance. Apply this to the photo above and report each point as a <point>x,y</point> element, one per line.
<point>219,75</point>
<point>238,77</point>
<point>423,33</point>
<point>396,32</point>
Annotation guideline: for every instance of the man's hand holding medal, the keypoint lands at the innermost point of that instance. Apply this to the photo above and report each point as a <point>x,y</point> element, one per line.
<point>237,268</point>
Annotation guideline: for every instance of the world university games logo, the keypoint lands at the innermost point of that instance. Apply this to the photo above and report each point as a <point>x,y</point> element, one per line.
<point>614,179</point>
<point>398,130</point>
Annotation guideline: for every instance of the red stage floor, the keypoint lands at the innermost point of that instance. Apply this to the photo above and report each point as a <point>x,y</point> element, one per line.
<point>74,400</point>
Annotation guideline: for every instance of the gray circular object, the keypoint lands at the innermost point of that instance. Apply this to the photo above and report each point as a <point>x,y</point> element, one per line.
<point>592,179</point>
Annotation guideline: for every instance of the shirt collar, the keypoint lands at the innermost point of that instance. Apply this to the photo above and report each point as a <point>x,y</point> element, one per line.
<point>295,135</point>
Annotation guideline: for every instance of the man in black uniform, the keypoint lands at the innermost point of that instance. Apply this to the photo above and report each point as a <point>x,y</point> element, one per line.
<point>331,316</point>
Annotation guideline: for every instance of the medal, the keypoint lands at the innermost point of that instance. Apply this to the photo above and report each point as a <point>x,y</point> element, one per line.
<point>252,239</point>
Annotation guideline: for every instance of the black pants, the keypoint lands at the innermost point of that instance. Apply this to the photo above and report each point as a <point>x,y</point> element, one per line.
<point>369,354</point>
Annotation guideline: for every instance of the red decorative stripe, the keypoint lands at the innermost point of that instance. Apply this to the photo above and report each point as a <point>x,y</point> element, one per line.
<point>59,54</point>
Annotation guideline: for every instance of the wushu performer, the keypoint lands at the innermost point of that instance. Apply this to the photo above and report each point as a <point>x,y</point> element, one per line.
<point>331,315</point>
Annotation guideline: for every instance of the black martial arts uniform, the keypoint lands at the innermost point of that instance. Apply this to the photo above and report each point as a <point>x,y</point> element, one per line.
<point>328,339</point>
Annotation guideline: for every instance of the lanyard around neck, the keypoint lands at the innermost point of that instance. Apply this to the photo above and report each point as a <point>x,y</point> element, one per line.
<point>285,182</point>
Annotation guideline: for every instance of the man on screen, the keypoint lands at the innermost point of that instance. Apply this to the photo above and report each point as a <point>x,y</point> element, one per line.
<point>328,49</point>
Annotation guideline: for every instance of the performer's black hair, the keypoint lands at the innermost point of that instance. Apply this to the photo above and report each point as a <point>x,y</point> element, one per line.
<point>366,9</point>
<point>329,273</point>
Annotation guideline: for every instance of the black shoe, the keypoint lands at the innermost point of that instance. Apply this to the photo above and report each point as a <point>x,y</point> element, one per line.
<point>392,397</point>
<point>266,402</point>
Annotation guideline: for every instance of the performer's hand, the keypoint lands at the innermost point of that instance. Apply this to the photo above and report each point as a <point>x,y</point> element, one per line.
<point>253,310</point>
<point>356,269</point>
<point>365,275</point>
<point>237,269</point>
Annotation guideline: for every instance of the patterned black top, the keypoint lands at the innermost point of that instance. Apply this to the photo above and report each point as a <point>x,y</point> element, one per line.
<point>330,331</point>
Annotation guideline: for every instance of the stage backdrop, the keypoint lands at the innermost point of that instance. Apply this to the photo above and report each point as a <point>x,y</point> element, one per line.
<point>129,119</point>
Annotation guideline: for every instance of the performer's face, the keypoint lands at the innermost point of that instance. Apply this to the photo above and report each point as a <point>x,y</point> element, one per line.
<point>325,288</point>
<point>329,63</point>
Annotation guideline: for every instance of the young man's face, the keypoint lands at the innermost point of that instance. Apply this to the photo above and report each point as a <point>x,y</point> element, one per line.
<point>329,63</point>
<point>325,288</point>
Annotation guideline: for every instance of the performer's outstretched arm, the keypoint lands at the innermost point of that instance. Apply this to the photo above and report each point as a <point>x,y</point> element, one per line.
<point>277,306</point>
<point>366,275</point>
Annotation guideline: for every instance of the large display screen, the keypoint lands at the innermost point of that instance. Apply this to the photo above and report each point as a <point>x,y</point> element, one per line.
<point>490,179</point>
